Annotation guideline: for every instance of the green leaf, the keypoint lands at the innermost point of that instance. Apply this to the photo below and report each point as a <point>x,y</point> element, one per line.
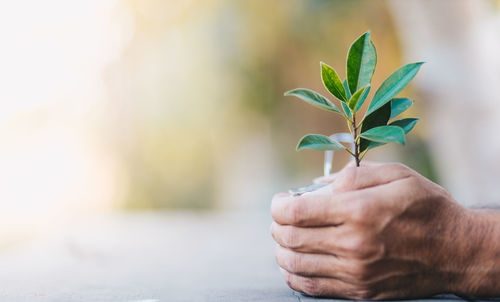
<point>353,101</point>
<point>347,91</point>
<point>385,134</point>
<point>319,142</point>
<point>393,85</point>
<point>332,82</point>
<point>373,145</point>
<point>378,118</point>
<point>346,109</point>
<point>407,124</point>
<point>399,105</point>
<point>361,61</point>
<point>363,98</point>
<point>313,98</point>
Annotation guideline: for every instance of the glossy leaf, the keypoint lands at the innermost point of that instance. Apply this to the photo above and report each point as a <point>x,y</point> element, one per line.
<point>393,85</point>
<point>373,145</point>
<point>407,124</point>
<point>346,87</point>
<point>385,134</point>
<point>319,142</point>
<point>399,105</point>
<point>361,61</point>
<point>353,101</point>
<point>379,118</point>
<point>332,82</point>
<point>346,109</point>
<point>363,98</point>
<point>314,98</point>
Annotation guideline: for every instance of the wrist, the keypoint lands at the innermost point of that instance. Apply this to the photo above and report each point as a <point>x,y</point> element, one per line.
<point>477,257</point>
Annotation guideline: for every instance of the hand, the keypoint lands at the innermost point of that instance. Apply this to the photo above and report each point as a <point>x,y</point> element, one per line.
<point>379,231</point>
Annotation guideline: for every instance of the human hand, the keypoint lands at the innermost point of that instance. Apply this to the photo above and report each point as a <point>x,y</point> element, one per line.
<point>379,231</point>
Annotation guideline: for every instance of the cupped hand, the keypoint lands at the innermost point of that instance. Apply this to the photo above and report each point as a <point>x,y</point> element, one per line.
<point>379,231</point>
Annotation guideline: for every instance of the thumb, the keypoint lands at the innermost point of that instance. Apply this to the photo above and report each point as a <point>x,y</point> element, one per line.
<point>331,178</point>
<point>369,175</point>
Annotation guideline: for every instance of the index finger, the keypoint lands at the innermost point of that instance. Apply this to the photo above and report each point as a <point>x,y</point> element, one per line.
<point>320,207</point>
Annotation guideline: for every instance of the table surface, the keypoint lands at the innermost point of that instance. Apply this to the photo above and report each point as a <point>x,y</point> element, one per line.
<point>147,257</point>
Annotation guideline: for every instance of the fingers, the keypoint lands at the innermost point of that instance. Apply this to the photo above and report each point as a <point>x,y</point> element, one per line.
<point>310,265</point>
<point>321,240</point>
<point>352,271</point>
<point>320,286</point>
<point>325,207</point>
<point>316,208</point>
<point>397,287</point>
<point>328,206</point>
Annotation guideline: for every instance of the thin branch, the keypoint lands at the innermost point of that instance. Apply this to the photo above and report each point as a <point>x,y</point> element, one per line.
<point>354,137</point>
<point>347,119</point>
<point>349,151</point>
<point>363,155</point>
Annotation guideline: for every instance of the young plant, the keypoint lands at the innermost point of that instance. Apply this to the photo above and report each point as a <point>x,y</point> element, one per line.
<point>374,129</point>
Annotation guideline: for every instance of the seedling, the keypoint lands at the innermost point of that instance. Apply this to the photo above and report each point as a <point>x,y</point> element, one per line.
<point>374,129</point>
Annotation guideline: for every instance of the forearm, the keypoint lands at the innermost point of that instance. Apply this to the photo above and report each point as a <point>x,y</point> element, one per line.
<point>481,248</point>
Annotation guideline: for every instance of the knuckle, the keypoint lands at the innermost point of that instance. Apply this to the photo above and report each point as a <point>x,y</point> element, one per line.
<point>364,293</point>
<point>345,179</point>
<point>404,170</point>
<point>361,273</point>
<point>412,185</point>
<point>413,181</point>
<point>358,242</point>
<point>398,166</point>
<point>364,246</point>
<point>312,287</point>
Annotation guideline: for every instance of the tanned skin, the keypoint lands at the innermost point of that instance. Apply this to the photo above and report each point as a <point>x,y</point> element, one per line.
<point>383,231</point>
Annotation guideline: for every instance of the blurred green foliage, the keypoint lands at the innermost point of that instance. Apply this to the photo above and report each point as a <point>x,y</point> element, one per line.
<point>200,79</point>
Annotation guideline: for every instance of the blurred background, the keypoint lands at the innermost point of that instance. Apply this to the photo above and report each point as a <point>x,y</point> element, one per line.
<point>149,105</point>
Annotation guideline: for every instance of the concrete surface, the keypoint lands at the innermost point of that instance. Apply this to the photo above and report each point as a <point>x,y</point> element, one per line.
<point>150,257</point>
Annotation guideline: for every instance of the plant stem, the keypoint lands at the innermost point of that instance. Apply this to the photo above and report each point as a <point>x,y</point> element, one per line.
<point>354,137</point>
